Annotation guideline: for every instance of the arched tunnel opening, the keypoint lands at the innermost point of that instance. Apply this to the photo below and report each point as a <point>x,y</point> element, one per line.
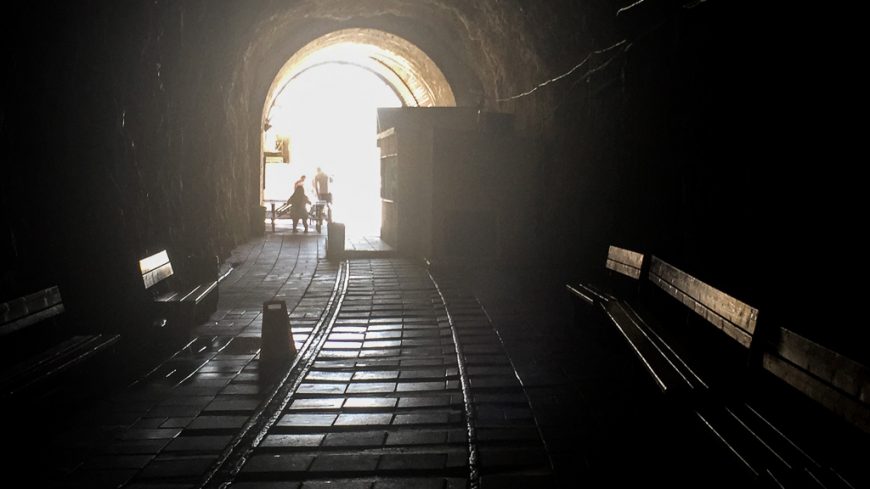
<point>321,113</point>
<point>601,259</point>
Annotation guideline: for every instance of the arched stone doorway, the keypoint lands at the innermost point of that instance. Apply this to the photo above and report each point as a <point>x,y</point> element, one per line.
<point>374,56</point>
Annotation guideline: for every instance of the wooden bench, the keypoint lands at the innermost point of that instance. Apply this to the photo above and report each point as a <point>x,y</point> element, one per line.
<point>38,349</point>
<point>724,377</point>
<point>179,306</point>
<point>615,299</point>
<point>620,263</point>
<point>761,429</point>
<point>834,381</point>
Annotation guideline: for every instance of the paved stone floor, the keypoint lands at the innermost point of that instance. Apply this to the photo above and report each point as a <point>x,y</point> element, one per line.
<point>408,375</point>
<point>171,425</point>
<point>400,381</point>
<point>366,244</point>
<point>587,412</point>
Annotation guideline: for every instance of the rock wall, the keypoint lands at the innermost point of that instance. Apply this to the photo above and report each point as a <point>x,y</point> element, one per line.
<point>130,127</point>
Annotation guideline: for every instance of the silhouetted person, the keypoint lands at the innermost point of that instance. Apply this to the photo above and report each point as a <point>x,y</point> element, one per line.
<point>299,183</point>
<point>321,186</point>
<point>298,211</point>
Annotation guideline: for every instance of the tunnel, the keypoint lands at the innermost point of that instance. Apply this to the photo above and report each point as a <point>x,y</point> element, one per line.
<point>612,244</point>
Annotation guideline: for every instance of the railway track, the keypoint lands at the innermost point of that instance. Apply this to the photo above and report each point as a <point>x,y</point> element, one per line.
<point>401,383</point>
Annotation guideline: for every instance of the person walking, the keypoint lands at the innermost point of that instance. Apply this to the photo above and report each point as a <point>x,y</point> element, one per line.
<point>298,210</point>
<point>321,186</point>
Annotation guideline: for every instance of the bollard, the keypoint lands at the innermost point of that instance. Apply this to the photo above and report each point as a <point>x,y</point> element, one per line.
<point>276,341</point>
<point>335,241</point>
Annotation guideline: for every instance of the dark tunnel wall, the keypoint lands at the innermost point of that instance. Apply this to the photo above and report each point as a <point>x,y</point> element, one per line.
<point>132,127</point>
<point>708,142</point>
<point>129,127</point>
<point>117,134</point>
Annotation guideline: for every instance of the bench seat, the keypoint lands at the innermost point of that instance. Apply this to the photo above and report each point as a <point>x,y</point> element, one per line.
<point>180,307</point>
<point>779,405</point>
<point>38,346</point>
<point>37,371</point>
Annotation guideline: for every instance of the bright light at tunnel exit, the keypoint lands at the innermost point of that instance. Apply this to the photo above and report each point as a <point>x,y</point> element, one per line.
<point>329,113</point>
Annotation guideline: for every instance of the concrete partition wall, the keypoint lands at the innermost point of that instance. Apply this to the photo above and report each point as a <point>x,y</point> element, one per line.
<point>464,185</point>
<point>408,218</point>
<point>486,195</point>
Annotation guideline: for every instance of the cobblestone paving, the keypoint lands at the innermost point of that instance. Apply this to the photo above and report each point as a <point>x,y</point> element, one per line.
<point>583,406</point>
<point>168,428</point>
<point>384,404</point>
<point>383,396</point>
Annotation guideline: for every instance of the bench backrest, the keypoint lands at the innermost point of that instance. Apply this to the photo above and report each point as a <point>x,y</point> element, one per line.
<point>735,318</point>
<point>155,269</point>
<point>28,310</point>
<point>626,262</point>
<point>836,382</point>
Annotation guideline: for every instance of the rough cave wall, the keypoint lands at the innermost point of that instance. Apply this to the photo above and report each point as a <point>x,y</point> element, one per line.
<point>132,127</point>
<point>129,127</point>
<point>117,133</point>
<point>684,142</point>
